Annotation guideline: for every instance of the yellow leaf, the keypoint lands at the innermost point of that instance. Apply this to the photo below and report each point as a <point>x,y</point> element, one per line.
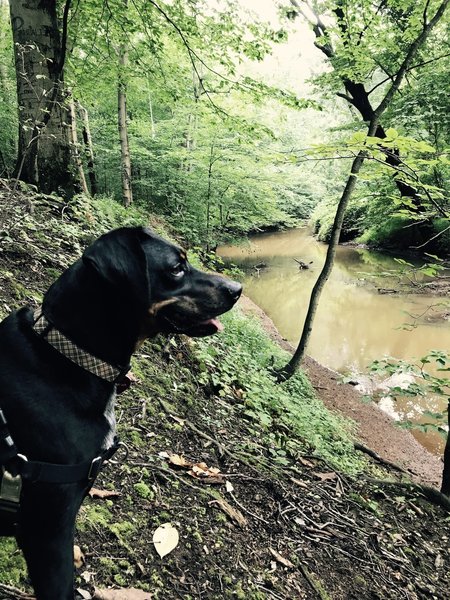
<point>165,539</point>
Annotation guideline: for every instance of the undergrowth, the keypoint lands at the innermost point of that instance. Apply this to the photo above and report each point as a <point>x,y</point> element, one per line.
<point>239,362</point>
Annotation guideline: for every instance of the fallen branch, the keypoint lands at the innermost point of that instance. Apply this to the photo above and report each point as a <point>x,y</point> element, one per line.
<point>9,592</point>
<point>430,493</point>
<point>379,459</point>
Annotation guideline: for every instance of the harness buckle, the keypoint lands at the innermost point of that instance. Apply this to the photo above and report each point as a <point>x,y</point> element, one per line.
<point>95,467</point>
<point>10,488</point>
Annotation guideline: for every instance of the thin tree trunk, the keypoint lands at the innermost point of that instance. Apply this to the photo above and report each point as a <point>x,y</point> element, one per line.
<point>152,121</point>
<point>127,193</point>
<point>208,199</point>
<point>289,369</point>
<point>44,153</point>
<point>445,487</point>
<point>192,120</point>
<point>89,148</point>
<point>75,146</point>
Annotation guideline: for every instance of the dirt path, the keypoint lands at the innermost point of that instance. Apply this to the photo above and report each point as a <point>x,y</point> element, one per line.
<point>375,429</point>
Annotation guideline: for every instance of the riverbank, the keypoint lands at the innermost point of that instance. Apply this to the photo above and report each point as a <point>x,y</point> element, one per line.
<point>374,428</point>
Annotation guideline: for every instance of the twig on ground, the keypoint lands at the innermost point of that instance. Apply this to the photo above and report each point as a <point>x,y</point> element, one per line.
<point>10,592</point>
<point>379,458</point>
<point>246,510</point>
<point>430,493</point>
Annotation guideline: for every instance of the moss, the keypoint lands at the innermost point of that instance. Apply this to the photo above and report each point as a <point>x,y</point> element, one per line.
<point>12,564</point>
<point>143,490</point>
<point>94,515</point>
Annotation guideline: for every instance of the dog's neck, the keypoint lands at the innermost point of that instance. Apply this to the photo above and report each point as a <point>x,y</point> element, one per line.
<point>102,321</point>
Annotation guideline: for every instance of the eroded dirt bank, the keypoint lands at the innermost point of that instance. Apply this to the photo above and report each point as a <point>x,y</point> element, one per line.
<point>374,428</point>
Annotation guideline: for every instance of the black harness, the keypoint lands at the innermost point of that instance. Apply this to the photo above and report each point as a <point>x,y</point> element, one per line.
<point>34,470</point>
<point>15,467</point>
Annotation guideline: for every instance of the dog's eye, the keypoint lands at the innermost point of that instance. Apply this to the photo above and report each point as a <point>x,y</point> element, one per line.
<point>177,270</point>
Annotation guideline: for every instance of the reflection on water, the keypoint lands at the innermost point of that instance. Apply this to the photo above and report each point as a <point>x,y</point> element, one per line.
<point>354,324</point>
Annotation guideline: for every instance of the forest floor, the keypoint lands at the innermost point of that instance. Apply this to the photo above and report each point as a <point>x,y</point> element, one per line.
<point>255,518</point>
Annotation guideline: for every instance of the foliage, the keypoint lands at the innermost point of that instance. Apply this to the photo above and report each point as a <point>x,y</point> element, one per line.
<point>353,225</point>
<point>429,380</point>
<point>236,364</point>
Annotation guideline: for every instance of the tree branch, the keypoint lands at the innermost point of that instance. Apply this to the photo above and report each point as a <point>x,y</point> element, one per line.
<point>427,28</point>
<point>416,66</point>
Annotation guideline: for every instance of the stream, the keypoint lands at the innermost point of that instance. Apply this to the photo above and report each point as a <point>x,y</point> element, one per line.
<point>359,318</point>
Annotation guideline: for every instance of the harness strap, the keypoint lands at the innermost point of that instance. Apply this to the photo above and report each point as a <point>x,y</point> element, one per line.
<point>34,470</point>
<point>37,471</point>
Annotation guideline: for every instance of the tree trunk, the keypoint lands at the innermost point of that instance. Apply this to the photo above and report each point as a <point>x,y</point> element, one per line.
<point>127,193</point>
<point>89,148</point>
<point>289,369</point>
<point>152,120</point>
<point>208,198</point>
<point>445,487</point>
<point>44,153</point>
<point>75,147</point>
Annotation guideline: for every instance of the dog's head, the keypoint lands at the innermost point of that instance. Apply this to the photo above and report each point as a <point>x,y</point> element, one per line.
<point>173,296</point>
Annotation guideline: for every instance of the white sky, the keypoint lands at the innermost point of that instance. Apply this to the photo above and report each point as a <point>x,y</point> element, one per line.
<point>295,60</point>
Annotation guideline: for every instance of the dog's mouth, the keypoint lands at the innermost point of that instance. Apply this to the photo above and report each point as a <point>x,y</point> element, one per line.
<point>204,328</point>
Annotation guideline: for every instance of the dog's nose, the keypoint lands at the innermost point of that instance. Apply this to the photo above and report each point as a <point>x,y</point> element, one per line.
<point>234,289</point>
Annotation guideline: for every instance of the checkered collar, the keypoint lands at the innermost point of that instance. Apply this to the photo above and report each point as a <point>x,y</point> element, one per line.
<point>74,353</point>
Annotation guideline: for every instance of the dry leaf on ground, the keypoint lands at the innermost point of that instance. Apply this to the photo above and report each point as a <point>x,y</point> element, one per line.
<point>78,557</point>
<point>207,474</point>
<point>179,461</point>
<point>121,594</point>
<point>307,463</point>
<point>96,493</point>
<point>325,476</point>
<point>284,561</point>
<point>199,470</point>
<point>230,511</point>
<point>165,539</point>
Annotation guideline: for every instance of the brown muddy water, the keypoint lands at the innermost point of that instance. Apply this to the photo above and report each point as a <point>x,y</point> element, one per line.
<point>356,323</point>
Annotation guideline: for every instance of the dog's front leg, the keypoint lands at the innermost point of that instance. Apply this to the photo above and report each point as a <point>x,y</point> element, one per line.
<point>47,521</point>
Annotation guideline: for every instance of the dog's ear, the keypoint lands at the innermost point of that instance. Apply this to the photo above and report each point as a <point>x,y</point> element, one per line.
<point>118,257</point>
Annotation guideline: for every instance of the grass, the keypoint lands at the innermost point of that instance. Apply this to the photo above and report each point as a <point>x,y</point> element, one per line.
<point>290,417</point>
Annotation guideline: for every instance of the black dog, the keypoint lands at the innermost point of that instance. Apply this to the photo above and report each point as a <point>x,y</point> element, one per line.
<point>129,285</point>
